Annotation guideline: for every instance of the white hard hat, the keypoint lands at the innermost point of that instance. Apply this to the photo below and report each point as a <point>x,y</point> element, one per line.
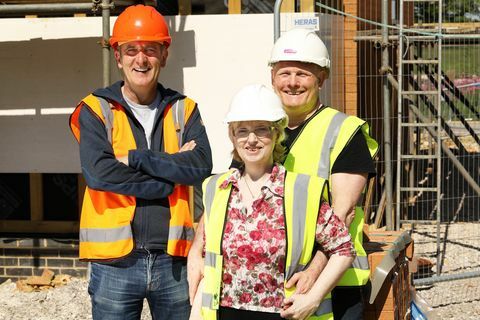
<point>302,45</point>
<point>255,103</point>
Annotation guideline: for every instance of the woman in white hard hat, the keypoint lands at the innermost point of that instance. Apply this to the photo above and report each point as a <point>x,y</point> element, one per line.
<point>262,223</point>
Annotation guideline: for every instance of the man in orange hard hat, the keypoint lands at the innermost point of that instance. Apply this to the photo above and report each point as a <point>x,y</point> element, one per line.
<point>141,145</point>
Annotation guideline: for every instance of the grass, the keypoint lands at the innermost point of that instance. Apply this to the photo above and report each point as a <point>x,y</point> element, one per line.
<point>461,60</point>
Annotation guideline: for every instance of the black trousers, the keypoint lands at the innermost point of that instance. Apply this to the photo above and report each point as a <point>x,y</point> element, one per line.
<point>348,302</point>
<point>236,314</point>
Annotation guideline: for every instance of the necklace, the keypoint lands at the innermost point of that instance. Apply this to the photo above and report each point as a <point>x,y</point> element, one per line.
<point>250,190</point>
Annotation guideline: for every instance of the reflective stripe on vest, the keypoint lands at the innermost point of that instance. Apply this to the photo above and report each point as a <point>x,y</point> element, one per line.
<point>105,224</point>
<point>314,152</point>
<point>302,200</point>
<point>181,230</point>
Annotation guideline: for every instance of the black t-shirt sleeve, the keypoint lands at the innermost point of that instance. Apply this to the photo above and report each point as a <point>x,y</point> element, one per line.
<point>355,157</point>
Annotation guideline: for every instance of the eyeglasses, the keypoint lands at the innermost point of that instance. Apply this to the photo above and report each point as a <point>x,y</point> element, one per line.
<point>261,132</point>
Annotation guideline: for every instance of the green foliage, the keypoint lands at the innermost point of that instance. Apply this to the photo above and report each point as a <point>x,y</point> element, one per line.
<point>452,11</point>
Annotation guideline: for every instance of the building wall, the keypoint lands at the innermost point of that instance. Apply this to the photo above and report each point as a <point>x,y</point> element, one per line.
<point>20,258</point>
<point>49,64</point>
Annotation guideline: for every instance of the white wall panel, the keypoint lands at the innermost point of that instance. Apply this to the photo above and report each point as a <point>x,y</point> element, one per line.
<point>49,64</point>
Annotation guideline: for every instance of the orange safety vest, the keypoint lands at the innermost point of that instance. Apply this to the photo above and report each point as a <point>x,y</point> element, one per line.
<point>105,223</point>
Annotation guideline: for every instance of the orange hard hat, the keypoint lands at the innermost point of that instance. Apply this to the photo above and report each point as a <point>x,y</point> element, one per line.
<point>140,23</point>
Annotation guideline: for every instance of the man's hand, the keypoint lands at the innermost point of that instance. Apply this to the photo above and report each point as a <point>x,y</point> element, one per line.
<point>305,279</point>
<point>194,273</point>
<point>188,146</point>
<point>299,306</point>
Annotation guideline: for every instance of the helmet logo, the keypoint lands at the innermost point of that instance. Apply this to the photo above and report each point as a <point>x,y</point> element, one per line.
<point>289,51</point>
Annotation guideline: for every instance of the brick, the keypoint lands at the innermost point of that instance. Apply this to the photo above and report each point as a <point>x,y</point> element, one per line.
<point>30,243</point>
<point>26,272</point>
<point>349,81</point>
<point>31,262</point>
<point>45,252</point>
<point>3,279</point>
<point>80,264</point>
<point>2,271</point>
<point>78,273</point>
<point>39,272</point>
<point>18,252</point>
<point>60,262</point>
<point>8,243</point>
<point>8,261</point>
<point>68,254</point>
<point>68,243</point>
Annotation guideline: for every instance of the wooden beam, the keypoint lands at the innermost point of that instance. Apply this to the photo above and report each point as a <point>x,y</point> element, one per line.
<point>22,226</point>
<point>288,6</point>
<point>234,6</point>
<point>184,7</point>
<point>36,197</point>
<point>307,5</point>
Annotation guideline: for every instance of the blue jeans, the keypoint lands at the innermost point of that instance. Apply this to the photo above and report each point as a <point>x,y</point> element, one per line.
<point>117,289</point>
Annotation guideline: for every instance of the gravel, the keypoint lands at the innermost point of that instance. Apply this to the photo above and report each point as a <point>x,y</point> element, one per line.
<point>460,253</point>
<point>69,302</point>
<point>459,300</point>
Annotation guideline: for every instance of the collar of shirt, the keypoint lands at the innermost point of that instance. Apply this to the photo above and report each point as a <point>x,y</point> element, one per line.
<point>273,186</point>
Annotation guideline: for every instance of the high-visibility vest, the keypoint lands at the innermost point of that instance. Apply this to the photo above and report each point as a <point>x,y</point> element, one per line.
<point>105,222</point>
<point>314,152</point>
<point>301,204</point>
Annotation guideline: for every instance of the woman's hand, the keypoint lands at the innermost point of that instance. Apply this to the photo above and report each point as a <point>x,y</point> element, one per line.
<point>299,306</point>
<point>194,274</point>
<point>302,280</point>
<point>196,312</point>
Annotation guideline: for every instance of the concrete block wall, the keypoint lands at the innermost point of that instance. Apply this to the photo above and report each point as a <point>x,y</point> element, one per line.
<point>24,257</point>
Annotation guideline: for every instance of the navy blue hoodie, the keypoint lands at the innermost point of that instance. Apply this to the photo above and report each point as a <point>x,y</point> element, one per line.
<point>152,173</point>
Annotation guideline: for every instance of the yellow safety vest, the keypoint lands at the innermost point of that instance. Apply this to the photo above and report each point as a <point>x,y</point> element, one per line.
<point>301,205</point>
<point>314,152</point>
<point>105,222</point>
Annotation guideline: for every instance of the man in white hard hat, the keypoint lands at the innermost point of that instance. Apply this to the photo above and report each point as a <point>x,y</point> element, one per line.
<point>324,142</point>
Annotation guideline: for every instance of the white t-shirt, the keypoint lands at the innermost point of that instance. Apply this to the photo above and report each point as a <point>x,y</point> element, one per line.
<point>145,114</point>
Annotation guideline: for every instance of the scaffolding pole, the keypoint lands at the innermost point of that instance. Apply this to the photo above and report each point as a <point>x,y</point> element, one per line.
<point>387,143</point>
<point>276,20</point>
<point>106,6</point>
<point>45,8</point>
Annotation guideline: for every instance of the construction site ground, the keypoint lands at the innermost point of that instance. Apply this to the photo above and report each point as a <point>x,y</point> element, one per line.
<point>457,300</point>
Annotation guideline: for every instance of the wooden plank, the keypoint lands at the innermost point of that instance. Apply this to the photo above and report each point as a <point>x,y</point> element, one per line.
<point>234,6</point>
<point>288,6</point>
<point>307,5</point>
<point>36,197</point>
<point>184,7</point>
<point>22,226</point>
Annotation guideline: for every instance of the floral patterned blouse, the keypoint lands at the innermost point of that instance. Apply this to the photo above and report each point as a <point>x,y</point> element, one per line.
<point>254,245</point>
